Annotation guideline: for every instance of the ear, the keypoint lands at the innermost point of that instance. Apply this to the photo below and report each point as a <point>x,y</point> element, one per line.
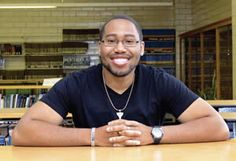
<point>142,48</point>
<point>99,48</point>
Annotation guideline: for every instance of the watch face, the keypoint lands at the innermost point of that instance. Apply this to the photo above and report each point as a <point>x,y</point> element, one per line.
<point>157,132</point>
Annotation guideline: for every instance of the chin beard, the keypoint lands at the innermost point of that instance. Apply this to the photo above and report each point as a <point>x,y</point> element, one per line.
<point>119,73</point>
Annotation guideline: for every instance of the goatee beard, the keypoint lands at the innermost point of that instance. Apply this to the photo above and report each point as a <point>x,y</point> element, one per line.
<point>119,74</point>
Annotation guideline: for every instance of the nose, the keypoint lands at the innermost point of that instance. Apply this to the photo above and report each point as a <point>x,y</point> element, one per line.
<point>120,47</point>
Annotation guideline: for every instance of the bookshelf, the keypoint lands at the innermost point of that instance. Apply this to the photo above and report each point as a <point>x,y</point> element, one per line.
<point>159,49</point>
<point>38,60</point>
<point>207,56</point>
<point>20,96</point>
<point>12,61</point>
<point>87,54</point>
<point>43,60</point>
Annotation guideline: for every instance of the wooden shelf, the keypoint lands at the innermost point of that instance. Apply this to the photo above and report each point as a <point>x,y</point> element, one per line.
<point>21,81</point>
<point>10,113</point>
<point>16,113</point>
<point>24,87</point>
<point>222,102</point>
<point>12,55</point>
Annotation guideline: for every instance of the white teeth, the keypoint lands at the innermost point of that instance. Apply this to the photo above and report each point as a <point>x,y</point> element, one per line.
<point>120,61</point>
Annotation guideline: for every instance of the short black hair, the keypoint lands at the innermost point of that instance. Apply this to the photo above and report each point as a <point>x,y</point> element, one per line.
<point>124,17</point>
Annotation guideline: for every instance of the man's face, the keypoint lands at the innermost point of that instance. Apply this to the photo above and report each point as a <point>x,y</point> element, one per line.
<point>120,47</point>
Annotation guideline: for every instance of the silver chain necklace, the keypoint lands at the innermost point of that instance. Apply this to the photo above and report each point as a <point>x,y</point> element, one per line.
<point>119,112</point>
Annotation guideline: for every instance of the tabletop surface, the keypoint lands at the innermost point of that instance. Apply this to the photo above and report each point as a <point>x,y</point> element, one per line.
<point>213,151</point>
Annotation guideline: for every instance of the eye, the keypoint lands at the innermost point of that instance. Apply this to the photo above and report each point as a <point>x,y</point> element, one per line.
<point>129,41</point>
<point>111,41</point>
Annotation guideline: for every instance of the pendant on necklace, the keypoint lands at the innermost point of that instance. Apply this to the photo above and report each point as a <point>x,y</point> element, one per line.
<point>119,114</point>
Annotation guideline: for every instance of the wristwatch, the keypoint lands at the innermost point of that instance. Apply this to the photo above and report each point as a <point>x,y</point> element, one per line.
<point>157,134</point>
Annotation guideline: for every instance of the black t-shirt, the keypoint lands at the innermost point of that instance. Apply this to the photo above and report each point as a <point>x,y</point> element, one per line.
<point>83,94</point>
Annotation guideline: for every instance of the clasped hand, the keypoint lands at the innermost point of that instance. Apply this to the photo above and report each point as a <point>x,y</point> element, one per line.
<point>124,133</point>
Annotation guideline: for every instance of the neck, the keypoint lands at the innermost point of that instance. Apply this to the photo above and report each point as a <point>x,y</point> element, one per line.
<point>118,84</point>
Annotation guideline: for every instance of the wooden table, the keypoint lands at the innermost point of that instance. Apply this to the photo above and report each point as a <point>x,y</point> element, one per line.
<point>214,151</point>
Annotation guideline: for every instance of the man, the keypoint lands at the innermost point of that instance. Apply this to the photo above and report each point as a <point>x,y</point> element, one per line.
<point>118,102</point>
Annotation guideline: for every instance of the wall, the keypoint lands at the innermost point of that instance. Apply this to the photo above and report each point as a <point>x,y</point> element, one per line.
<point>40,25</point>
<point>205,12</point>
<point>45,25</point>
<point>234,46</point>
<point>183,23</point>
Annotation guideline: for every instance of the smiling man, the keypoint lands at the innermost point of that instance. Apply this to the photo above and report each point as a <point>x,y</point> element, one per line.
<point>119,102</point>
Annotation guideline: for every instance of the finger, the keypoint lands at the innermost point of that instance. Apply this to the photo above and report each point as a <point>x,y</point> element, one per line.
<point>132,142</point>
<point>128,143</point>
<point>118,139</point>
<point>130,133</point>
<point>116,122</point>
<point>117,128</point>
<point>131,123</point>
<point>122,121</point>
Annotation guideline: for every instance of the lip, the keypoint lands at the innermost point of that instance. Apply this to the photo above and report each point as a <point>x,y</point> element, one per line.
<point>120,61</point>
<point>120,57</point>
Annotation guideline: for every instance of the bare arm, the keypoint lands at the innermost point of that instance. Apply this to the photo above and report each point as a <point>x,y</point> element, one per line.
<point>199,123</point>
<point>40,127</point>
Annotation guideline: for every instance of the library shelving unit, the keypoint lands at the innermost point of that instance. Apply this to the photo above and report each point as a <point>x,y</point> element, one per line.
<point>12,61</point>
<point>15,98</point>
<point>159,49</point>
<point>43,60</point>
<point>38,60</point>
<point>207,55</point>
<point>87,54</point>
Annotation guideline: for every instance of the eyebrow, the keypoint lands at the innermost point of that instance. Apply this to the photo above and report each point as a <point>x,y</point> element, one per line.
<point>126,35</point>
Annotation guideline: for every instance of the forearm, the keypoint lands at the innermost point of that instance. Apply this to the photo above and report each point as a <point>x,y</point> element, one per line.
<point>49,135</point>
<point>199,130</point>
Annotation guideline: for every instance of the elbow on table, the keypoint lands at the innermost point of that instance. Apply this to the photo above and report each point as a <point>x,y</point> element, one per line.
<point>223,133</point>
<point>16,138</point>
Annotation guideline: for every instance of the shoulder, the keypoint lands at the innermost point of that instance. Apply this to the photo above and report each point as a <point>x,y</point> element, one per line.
<point>87,74</point>
<point>150,72</point>
<point>78,79</point>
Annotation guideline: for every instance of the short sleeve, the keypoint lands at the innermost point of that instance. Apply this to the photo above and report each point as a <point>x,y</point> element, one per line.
<point>57,98</point>
<point>176,95</point>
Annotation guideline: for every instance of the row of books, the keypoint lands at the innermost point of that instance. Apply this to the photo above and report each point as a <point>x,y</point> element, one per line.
<point>158,38</point>
<point>2,63</point>
<point>44,65</point>
<point>55,51</point>
<point>9,49</point>
<point>76,37</point>
<point>75,50</point>
<point>159,49</point>
<point>158,57</point>
<point>18,100</point>
<point>40,76</point>
<point>76,61</point>
<point>160,44</point>
<point>159,32</point>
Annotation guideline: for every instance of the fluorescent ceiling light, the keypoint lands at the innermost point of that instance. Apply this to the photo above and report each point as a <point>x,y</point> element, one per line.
<point>17,7</point>
<point>115,4</point>
<point>108,4</point>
